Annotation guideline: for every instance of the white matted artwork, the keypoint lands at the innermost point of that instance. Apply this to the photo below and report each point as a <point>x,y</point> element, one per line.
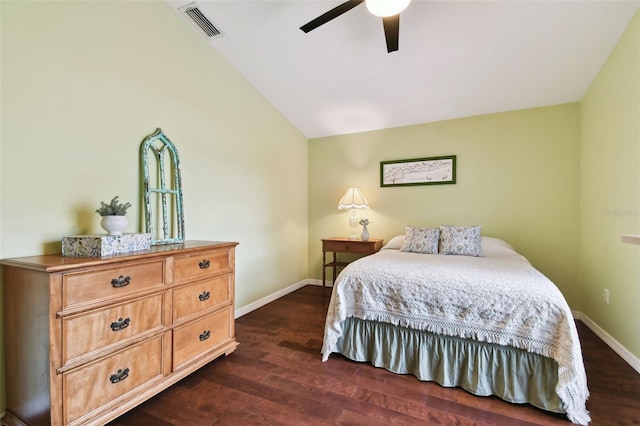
<point>418,171</point>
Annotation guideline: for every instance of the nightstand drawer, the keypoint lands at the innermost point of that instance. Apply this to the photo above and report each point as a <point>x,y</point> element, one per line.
<point>194,298</point>
<point>101,328</point>
<point>200,336</point>
<point>202,265</point>
<point>98,383</point>
<point>349,247</point>
<point>105,283</point>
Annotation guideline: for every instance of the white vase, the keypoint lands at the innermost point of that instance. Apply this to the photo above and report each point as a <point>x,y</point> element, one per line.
<point>114,225</point>
<point>365,233</point>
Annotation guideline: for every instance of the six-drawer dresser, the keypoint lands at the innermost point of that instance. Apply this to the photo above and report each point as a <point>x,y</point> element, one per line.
<point>89,338</point>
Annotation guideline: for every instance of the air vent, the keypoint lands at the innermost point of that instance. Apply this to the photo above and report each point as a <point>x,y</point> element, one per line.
<point>196,17</point>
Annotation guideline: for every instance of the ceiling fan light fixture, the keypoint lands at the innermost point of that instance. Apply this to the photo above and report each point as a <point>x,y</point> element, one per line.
<point>385,8</point>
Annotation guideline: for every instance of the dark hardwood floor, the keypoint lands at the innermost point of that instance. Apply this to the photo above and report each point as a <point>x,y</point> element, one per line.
<point>276,377</point>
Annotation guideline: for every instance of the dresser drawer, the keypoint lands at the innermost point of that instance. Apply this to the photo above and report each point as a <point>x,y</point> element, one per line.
<point>111,282</point>
<point>200,336</point>
<point>87,388</point>
<point>190,268</point>
<point>194,298</point>
<point>101,328</point>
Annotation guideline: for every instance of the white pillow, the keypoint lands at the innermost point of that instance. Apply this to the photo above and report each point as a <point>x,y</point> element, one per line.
<point>421,240</point>
<point>395,243</point>
<point>492,245</point>
<point>462,240</point>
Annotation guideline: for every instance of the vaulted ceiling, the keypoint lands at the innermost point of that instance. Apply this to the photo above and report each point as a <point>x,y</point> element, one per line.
<point>455,58</point>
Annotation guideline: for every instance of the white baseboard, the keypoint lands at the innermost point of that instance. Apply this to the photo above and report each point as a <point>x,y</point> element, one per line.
<point>277,295</point>
<point>319,283</point>
<point>616,346</point>
<point>270,298</point>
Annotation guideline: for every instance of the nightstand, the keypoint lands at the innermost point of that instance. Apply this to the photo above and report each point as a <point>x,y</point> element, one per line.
<point>345,245</point>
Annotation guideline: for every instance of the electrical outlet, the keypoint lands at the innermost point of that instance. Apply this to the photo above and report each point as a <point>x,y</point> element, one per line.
<point>606,296</point>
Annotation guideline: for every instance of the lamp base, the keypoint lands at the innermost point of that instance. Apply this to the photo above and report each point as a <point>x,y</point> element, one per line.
<point>353,224</point>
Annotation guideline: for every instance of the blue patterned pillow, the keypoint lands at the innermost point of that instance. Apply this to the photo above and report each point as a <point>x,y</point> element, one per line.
<point>463,240</point>
<point>421,240</point>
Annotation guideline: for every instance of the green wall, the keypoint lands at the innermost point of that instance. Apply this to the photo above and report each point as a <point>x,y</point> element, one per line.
<point>610,193</point>
<point>84,82</point>
<point>517,176</point>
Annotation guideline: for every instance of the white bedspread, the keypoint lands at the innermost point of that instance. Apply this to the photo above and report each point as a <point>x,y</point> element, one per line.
<point>498,298</point>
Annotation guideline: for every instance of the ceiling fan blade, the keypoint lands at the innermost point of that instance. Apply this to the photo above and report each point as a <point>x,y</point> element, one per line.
<point>332,14</point>
<point>391,31</point>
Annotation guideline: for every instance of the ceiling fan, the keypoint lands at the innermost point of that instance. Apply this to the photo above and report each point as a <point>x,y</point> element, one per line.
<point>388,10</point>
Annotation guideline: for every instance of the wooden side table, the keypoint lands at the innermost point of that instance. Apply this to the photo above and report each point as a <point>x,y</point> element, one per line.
<point>345,245</point>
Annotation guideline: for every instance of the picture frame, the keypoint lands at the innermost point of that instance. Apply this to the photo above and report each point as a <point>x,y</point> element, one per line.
<point>419,171</point>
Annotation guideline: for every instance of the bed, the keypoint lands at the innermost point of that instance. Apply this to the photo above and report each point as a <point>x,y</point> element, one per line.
<point>481,318</point>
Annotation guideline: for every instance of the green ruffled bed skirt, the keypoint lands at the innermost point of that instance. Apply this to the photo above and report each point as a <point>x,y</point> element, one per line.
<point>514,375</point>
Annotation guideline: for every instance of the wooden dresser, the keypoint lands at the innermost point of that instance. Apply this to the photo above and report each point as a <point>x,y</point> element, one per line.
<point>88,338</point>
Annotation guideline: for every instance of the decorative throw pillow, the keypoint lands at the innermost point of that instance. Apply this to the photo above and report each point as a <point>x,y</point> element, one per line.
<point>463,240</point>
<point>421,240</point>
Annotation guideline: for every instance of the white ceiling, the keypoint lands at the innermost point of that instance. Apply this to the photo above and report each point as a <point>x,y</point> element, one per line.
<point>456,58</point>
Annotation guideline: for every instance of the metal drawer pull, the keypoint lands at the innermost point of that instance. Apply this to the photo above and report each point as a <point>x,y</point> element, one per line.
<point>204,296</point>
<point>205,335</point>
<point>119,376</point>
<point>121,324</point>
<point>204,264</point>
<point>121,281</point>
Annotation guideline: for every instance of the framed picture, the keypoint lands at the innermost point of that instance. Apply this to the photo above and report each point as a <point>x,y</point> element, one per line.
<point>418,171</point>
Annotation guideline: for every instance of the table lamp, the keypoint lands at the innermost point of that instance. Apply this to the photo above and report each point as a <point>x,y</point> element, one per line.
<point>353,200</point>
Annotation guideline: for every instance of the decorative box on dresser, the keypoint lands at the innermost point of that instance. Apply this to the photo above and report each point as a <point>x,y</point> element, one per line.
<point>89,338</point>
